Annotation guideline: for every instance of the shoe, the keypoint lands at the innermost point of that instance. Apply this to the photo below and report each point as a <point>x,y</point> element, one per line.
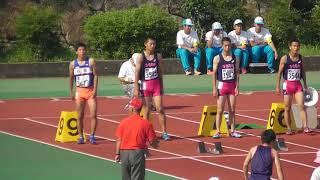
<point>127,106</point>
<point>307,130</point>
<point>217,135</point>
<point>197,73</point>
<point>165,136</point>
<point>244,71</point>
<point>92,139</point>
<point>289,132</point>
<point>271,71</point>
<point>188,73</point>
<point>209,72</point>
<point>235,134</point>
<point>81,140</point>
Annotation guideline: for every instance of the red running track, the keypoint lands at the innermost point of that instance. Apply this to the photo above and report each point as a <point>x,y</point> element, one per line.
<point>38,118</point>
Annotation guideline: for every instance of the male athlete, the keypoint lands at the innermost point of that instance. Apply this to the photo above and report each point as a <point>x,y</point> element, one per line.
<point>226,71</point>
<point>83,71</point>
<point>291,67</point>
<point>149,72</point>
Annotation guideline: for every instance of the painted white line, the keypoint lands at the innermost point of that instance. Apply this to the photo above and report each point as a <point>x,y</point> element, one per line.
<point>79,152</point>
<point>305,146</point>
<point>182,119</point>
<point>204,156</point>
<point>287,142</point>
<point>223,156</point>
<point>162,151</point>
<point>183,95</point>
<point>259,119</point>
<point>2,101</point>
<point>229,147</point>
<point>125,114</point>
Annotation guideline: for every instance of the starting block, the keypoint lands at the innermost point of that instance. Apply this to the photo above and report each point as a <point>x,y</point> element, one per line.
<point>216,150</point>
<point>143,111</point>
<point>208,122</point>
<point>67,129</point>
<point>280,145</point>
<point>276,119</point>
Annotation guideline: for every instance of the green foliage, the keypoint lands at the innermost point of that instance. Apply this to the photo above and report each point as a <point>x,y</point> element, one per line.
<point>310,50</point>
<point>118,34</point>
<point>37,28</point>
<point>22,53</point>
<point>205,12</point>
<point>283,23</point>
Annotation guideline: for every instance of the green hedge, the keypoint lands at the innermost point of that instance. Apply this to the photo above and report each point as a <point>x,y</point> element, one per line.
<point>118,34</point>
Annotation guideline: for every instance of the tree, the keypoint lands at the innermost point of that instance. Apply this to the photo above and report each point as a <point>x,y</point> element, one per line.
<point>37,29</point>
<point>118,34</point>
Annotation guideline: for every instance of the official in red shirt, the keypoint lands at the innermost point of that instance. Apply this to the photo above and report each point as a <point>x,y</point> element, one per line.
<point>133,134</point>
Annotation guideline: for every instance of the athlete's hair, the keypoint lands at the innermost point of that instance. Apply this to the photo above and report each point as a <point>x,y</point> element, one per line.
<point>294,40</point>
<point>268,136</point>
<point>81,45</point>
<point>149,38</point>
<point>226,39</point>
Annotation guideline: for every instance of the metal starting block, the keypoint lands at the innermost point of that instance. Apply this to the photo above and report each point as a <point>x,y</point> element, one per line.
<point>216,150</point>
<point>280,145</point>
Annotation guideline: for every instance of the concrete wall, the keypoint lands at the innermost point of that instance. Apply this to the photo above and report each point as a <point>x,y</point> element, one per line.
<point>109,67</point>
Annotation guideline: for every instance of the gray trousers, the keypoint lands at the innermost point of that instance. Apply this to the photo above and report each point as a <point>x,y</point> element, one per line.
<point>128,90</point>
<point>133,164</point>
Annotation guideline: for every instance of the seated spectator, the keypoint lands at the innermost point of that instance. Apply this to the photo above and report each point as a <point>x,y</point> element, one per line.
<point>239,42</point>
<point>262,158</point>
<point>188,41</point>
<point>316,172</point>
<point>261,43</point>
<point>214,44</point>
<point>127,75</point>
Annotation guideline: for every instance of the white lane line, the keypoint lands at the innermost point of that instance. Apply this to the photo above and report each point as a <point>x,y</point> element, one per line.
<point>158,150</point>
<point>79,152</point>
<point>301,145</point>
<point>229,147</point>
<point>223,156</point>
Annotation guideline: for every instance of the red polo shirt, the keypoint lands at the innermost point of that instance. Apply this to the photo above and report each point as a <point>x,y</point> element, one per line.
<point>134,132</point>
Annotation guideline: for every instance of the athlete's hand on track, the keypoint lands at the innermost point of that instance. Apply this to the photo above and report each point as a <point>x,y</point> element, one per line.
<point>72,96</point>
<point>277,90</point>
<point>117,158</point>
<point>236,91</point>
<point>214,93</point>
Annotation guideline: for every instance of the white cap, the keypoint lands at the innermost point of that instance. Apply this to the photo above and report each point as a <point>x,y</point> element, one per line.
<point>258,20</point>
<point>134,57</point>
<point>237,21</point>
<point>216,26</point>
<point>187,22</point>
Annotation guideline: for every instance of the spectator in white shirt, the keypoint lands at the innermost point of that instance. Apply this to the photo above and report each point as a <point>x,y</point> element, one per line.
<point>188,41</point>
<point>127,76</point>
<point>239,41</point>
<point>261,43</point>
<point>214,44</point>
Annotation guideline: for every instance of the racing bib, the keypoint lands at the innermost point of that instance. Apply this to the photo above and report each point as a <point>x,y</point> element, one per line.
<point>293,74</point>
<point>227,74</point>
<point>83,81</point>
<point>151,73</point>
